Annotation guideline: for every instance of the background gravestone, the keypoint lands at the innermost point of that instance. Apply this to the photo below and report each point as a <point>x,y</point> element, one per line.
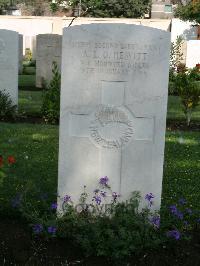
<point>30,43</point>
<point>48,50</point>
<point>20,53</point>
<point>9,63</point>
<point>113,109</point>
<point>193,53</point>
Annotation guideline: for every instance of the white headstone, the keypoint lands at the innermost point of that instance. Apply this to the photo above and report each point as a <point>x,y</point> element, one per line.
<point>185,29</point>
<point>113,109</point>
<point>20,53</point>
<point>193,53</point>
<point>9,63</point>
<point>33,49</point>
<point>48,50</point>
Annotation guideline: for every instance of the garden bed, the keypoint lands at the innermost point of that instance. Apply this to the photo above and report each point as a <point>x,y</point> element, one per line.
<point>18,247</point>
<point>181,125</point>
<point>35,148</point>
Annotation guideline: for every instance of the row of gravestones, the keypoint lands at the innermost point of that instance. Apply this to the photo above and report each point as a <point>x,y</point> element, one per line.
<point>11,57</point>
<point>49,49</point>
<point>113,106</point>
<point>10,50</point>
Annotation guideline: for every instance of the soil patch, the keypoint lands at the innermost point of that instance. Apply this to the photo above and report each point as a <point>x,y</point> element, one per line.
<point>18,247</point>
<point>181,125</point>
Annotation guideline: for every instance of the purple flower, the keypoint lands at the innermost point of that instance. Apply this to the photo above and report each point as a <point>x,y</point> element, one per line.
<point>97,199</point>
<point>149,198</point>
<point>16,201</point>
<point>115,196</point>
<point>37,228</point>
<point>54,206</point>
<point>185,223</point>
<point>173,209</point>
<point>182,201</point>
<point>104,181</point>
<point>155,220</point>
<point>103,194</point>
<point>198,220</point>
<point>67,199</point>
<point>189,211</point>
<point>174,234</point>
<point>176,212</point>
<point>179,215</point>
<point>51,229</point>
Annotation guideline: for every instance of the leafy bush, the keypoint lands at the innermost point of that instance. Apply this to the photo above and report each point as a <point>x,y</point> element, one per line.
<point>28,70</point>
<point>172,78</point>
<point>28,54</point>
<point>32,63</point>
<point>187,86</point>
<point>7,109</point>
<point>51,98</point>
<point>116,230</point>
<point>176,54</point>
<point>190,11</point>
<point>117,235</point>
<point>101,226</point>
<point>121,231</point>
<point>108,8</point>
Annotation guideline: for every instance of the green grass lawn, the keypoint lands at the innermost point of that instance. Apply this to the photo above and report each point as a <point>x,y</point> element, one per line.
<point>27,81</point>
<point>29,70</point>
<point>36,150</point>
<point>31,101</point>
<point>175,111</point>
<point>182,168</point>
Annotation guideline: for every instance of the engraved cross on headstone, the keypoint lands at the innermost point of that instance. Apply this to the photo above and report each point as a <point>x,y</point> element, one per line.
<point>111,127</point>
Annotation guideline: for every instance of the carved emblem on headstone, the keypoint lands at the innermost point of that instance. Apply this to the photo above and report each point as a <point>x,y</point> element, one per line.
<point>112,127</point>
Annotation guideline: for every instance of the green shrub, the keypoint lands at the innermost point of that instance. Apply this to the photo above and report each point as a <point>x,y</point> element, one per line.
<point>176,55</point>
<point>187,86</point>
<point>99,225</point>
<point>28,70</point>
<point>116,235</point>
<point>51,98</point>
<point>172,78</point>
<point>28,54</point>
<point>32,63</point>
<point>7,109</point>
<point>107,8</point>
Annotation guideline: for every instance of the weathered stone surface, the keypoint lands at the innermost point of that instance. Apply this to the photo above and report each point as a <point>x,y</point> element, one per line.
<point>113,109</point>
<point>193,53</point>
<point>20,53</point>
<point>48,50</point>
<point>9,63</point>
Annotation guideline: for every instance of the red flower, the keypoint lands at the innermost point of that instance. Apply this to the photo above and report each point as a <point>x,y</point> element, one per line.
<point>11,160</point>
<point>1,160</point>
